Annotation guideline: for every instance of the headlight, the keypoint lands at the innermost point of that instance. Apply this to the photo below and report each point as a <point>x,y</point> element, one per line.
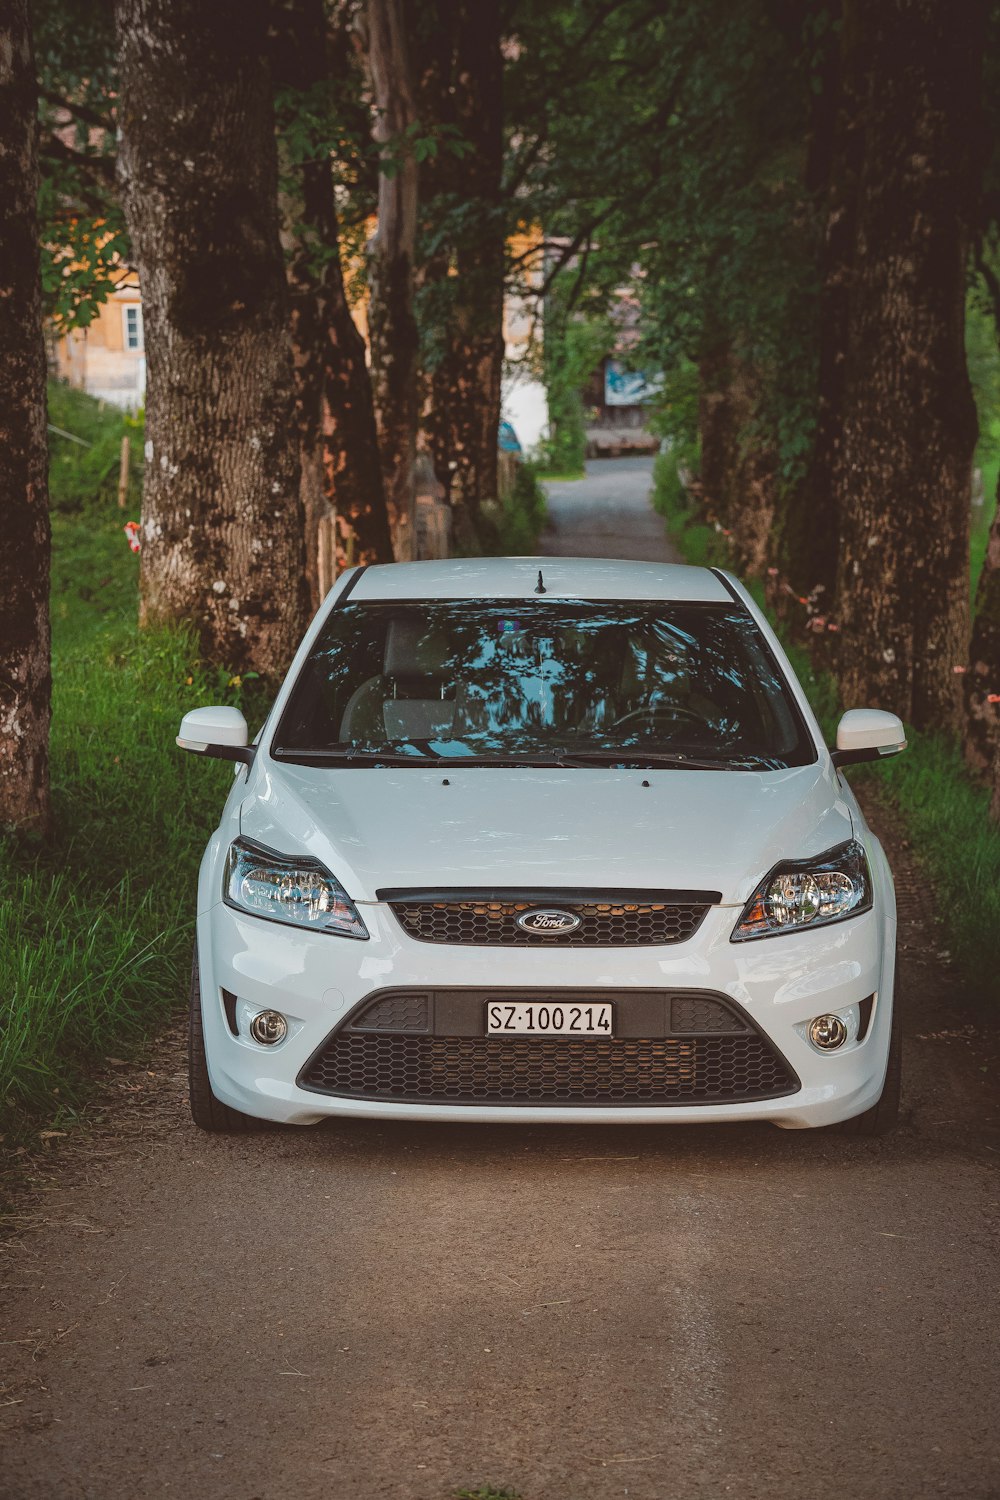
<point>808,893</point>
<point>284,889</point>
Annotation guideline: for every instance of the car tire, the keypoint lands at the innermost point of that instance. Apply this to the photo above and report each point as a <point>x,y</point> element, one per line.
<point>882,1117</point>
<point>207,1112</point>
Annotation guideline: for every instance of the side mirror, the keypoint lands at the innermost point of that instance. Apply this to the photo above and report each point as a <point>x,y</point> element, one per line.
<point>867,734</point>
<point>219,732</point>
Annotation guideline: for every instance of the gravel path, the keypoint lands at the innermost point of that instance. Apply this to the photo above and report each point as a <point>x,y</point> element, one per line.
<point>381,1312</point>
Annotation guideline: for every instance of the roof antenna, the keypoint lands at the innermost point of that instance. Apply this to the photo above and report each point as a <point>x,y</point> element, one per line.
<point>540,587</point>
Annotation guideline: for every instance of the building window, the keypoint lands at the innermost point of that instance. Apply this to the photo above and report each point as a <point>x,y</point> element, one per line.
<point>132,326</point>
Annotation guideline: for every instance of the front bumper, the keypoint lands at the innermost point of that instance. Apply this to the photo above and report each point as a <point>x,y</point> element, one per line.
<point>318,980</point>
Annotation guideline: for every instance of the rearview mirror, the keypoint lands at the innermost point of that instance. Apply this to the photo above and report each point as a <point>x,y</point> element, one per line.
<point>220,732</point>
<point>867,734</point>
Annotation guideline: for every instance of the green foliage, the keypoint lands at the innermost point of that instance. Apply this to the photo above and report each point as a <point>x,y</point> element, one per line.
<point>698,542</point>
<point>78,475</point>
<point>575,345</point>
<point>95,927</point>
<point>84,244</point>
<point>982,519</point>
<point>511,528</point>
<point>947,818</point>
<point>81,257</point>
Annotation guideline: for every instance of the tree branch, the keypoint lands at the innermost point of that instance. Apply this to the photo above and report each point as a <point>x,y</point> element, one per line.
<point>80,111</point>
<point>100,168</point>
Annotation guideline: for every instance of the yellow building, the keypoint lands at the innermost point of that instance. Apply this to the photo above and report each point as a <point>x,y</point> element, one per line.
<point>108,359</point>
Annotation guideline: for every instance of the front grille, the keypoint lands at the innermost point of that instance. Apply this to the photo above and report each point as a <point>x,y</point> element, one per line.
<point>549,1070</point>
<point>603,924</point>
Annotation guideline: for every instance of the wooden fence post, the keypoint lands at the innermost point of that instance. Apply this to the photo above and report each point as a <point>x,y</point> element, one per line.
<point>123,466</point>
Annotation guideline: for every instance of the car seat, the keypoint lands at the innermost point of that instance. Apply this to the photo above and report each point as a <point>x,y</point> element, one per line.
<point>414,697</point>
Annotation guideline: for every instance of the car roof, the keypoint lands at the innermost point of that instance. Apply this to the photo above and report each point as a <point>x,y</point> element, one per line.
<point>517,578</point>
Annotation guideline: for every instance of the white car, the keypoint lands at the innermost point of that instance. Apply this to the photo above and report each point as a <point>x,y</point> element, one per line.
<point>543,840</point>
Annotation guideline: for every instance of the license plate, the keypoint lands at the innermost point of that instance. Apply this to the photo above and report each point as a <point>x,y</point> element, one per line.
<point>537,1017</point>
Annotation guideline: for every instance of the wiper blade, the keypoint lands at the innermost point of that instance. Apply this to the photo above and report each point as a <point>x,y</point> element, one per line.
<point>559,760</point>
<point>347,757</point>
<point>658,758</point>
<point>424,759</point>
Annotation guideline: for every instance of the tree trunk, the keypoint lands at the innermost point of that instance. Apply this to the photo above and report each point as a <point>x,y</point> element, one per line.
<point>460,87</point>
<point>25,680</point>
<point>341,472</point>
<point>901,480</point>
<point>392,325</point>
<point>737,472</point>
<point>808,528</point>
<point>222,531</point>
<point>982,682</point>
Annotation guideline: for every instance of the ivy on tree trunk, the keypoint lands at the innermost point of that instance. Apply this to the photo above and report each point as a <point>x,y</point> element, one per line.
<point>25,681</point>
<point>902,474</point>
<point>222,533</point>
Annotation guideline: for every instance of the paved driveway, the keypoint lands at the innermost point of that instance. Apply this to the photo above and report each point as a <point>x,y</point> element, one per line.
<point>607,514</point>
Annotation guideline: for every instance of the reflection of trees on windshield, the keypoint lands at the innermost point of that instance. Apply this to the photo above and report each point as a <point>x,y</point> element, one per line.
<point>459,677</point>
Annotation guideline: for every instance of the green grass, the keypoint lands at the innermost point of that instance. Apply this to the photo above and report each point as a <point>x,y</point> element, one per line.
<point>697,542</point>
<point>80,476</point>
<point>96,925</point>
<point>944,808</point>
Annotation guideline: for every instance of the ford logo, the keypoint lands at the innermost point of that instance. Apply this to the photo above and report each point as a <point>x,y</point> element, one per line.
<point>555,923</point>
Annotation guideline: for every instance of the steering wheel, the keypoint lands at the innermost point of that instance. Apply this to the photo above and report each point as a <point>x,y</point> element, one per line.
<point>651,712</point>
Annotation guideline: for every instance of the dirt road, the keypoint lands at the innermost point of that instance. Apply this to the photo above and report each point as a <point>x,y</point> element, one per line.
<point>372,1312</point>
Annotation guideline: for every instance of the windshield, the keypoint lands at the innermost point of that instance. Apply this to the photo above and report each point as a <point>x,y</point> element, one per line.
<point>642,683</point>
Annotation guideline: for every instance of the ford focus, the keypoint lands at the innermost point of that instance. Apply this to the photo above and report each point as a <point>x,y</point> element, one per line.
<point>543,840</point>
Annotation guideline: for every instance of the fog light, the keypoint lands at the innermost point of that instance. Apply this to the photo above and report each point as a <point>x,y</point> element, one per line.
<point>827,1033</point>
<point>269,1027</point>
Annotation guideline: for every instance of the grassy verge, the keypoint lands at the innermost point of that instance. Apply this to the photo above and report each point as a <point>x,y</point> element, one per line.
<point>96,924</point>
<point>945,810</point>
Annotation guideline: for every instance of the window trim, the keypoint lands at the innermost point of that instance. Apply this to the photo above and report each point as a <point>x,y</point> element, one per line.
<point>140,347</point>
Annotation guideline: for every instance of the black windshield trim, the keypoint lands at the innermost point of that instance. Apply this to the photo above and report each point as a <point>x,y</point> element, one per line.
<point>351,585</point>
<point>718,573</point>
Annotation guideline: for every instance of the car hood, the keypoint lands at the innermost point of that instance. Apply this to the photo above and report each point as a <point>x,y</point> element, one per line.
<point>379,828</point>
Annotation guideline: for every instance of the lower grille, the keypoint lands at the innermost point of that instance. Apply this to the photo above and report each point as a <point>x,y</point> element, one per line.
<point>549,1070</point>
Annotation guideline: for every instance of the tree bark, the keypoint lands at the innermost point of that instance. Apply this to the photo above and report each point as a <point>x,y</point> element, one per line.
<point>222,531</point>
<point>392,325</point>
<point>808,524</point>
<point>737,472</point>
<point>341,471</point>
<point>25,680</point>
<point>901,480</point>
<point>460,86</point>
<point>982,681</point>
